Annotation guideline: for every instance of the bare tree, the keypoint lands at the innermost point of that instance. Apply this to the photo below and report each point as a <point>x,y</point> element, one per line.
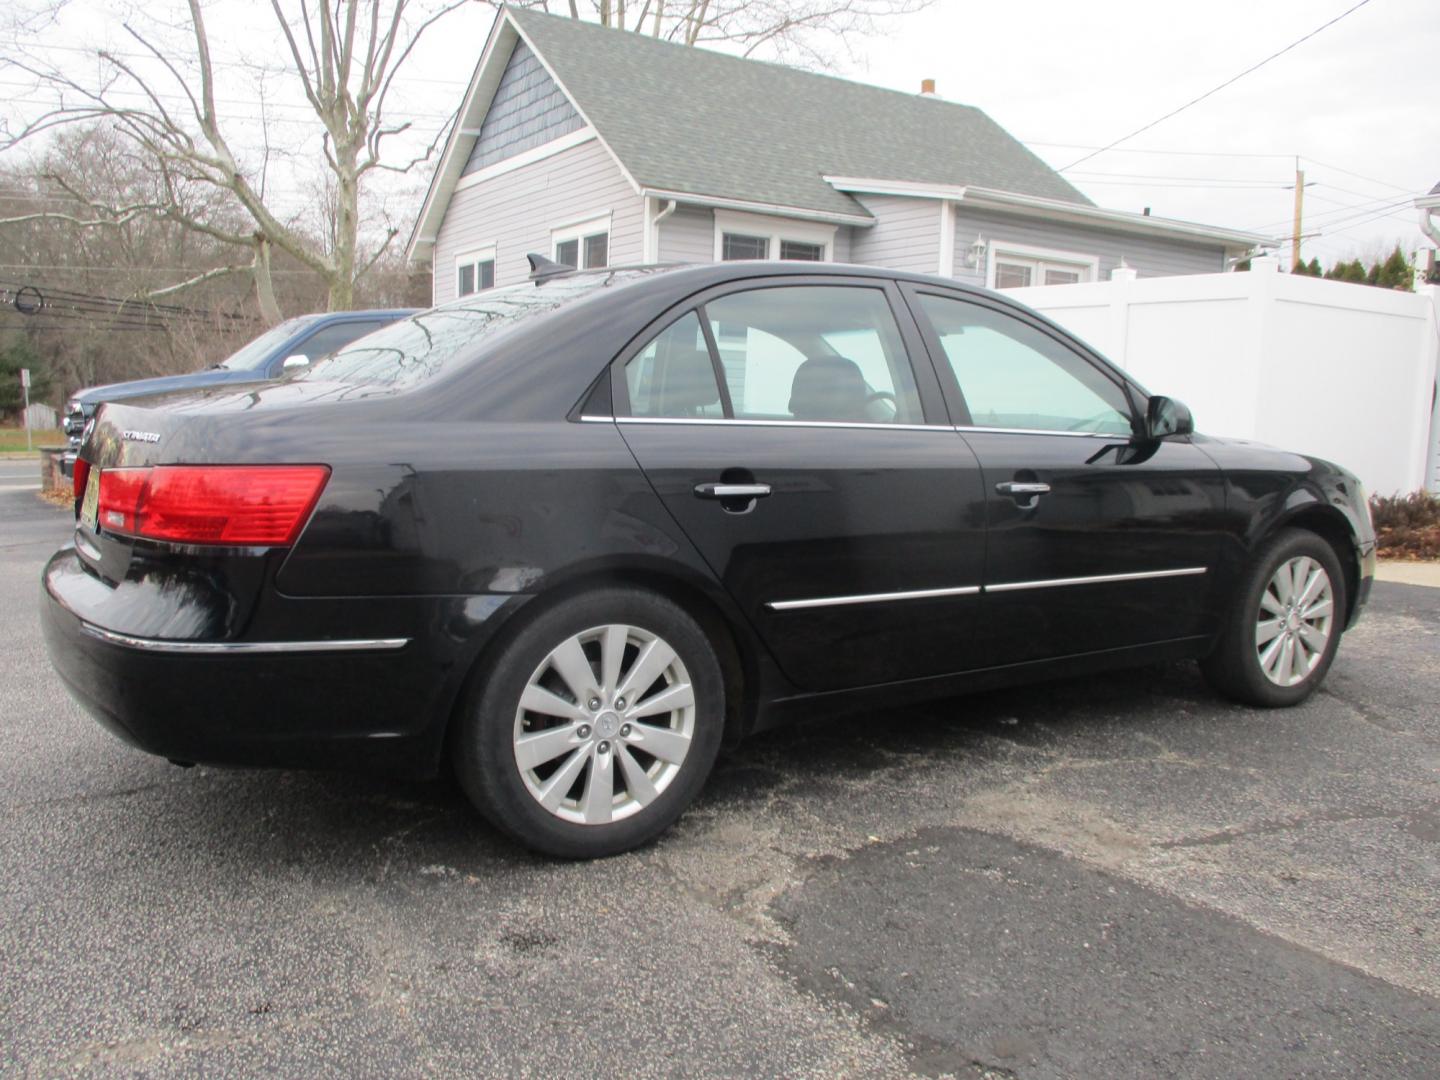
<point>343,57</point>
<point>796,30</point>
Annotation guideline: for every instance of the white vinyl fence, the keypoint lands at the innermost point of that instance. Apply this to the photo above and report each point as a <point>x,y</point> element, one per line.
<point>1341,371</point>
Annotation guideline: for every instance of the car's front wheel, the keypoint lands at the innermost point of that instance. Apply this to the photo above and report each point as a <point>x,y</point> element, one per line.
<point>595,726</point>
<point>1282,632</point>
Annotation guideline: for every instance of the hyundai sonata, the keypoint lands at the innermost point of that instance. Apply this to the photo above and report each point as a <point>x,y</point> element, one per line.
<point>571,536</point>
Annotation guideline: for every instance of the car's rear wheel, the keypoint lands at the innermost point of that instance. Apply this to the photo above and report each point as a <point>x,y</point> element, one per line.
<point>596,726</point>
<point>1281,635</point>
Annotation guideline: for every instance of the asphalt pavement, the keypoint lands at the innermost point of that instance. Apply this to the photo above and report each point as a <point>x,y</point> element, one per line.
<point>1121,876</point>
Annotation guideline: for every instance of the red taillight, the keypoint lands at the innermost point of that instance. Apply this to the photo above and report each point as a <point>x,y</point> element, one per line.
<point>81,473</point>
<point>260,505</point>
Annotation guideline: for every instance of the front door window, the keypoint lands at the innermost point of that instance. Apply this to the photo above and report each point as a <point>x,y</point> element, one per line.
<point>1013,376</point>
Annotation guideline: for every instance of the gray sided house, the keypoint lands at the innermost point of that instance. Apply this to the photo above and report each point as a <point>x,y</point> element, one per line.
<point>601,147</point>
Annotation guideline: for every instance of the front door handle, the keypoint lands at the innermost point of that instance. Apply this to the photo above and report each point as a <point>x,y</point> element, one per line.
<point>1021,489</point>
<point>731,491</point>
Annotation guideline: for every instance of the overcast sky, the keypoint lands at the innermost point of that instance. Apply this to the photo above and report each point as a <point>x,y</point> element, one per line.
<point>1362,97</point>
<point>1358,102</point>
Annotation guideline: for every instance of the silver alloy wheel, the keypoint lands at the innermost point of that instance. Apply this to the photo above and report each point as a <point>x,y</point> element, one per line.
<point>1293,626</point>
<point>604,724</point>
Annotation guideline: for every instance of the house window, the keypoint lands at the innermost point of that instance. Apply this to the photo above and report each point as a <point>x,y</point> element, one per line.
<point>799,249</point>
<point>475,272</point>
<point>1016,267</point>
<point>756,236</point>
<point>738,246</point>
<point>584,245</point>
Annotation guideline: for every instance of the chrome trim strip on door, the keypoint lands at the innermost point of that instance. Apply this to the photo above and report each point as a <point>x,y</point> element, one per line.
<point>713,421</point>
<point>972,429</point>
<point>231,648</point>
<point>971,590</point>
<point>870,598</point>
<point>1055,583</point>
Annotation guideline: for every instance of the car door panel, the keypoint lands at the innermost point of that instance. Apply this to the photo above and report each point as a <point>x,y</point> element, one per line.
<point>861,561</point>
<point>1097,540</point>
<point>1150,523</point>
<point>856,519</point>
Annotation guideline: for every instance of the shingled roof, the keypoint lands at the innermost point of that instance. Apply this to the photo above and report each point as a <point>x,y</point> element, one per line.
<point>687,123</point>
<point>691,120</point>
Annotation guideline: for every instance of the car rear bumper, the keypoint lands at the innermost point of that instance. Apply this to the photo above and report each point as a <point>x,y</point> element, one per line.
<point>371,702</point>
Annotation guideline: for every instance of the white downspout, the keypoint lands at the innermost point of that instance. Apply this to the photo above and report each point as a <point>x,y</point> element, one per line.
<point>1427,224</point>
<point>653,230</point>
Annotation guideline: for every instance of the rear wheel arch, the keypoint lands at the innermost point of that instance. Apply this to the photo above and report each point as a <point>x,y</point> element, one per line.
<point>738,662</point>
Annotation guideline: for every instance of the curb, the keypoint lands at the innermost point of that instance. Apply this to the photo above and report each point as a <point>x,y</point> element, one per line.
<point>1401,572</point>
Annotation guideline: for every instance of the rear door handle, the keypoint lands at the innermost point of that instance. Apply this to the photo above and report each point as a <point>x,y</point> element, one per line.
<point>1019,488</point>
<point>731,491</point>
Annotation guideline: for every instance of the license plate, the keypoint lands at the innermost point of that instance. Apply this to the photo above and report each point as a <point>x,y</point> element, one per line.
<point>90,505</point>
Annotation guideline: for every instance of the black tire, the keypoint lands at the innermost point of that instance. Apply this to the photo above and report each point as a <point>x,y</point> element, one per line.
<point>1234,667</point>
<point>484,747</point>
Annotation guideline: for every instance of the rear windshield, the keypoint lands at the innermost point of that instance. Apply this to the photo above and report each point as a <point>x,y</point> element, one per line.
<point>424,346</point>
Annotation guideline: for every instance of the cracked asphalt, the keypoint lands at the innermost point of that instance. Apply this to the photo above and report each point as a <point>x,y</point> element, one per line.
<point>1119,876</point>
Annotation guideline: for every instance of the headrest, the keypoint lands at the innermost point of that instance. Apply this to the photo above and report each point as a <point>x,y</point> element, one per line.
<point>828,388</point>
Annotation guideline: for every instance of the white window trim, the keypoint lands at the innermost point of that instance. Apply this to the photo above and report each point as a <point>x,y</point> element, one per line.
<point>578,229</point>
<point>470,258</point>
<point>775,230</point>
<point>1000,248</point>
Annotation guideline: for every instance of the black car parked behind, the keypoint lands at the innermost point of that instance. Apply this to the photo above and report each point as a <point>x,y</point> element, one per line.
<point>570,536</point>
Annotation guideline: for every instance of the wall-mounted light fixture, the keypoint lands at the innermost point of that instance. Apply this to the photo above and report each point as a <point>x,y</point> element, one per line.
<point>976,256</point>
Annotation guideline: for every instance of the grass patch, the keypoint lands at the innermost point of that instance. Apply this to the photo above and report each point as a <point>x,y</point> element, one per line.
<point>1407,526</point>
<point>13,439</point>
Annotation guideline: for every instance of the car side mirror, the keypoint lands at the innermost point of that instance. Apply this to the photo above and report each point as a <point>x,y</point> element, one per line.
<point>295,360</point>
<point>1166,416</point>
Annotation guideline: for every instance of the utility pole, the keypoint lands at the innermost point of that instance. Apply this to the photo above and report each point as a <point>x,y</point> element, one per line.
<point>1299,207</point>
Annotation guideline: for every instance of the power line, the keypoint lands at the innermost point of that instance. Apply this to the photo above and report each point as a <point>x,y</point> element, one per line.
<point>1171,176</point>
<point>1361,176</point>
<point>1147,184</point>
<point>1177,153</point>
<point>1233,79</point>
<point>1341,214</point>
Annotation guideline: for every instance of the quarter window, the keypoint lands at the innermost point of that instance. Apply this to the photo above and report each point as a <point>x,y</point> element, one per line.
<point>814,353</point>
<point>1012,375</point>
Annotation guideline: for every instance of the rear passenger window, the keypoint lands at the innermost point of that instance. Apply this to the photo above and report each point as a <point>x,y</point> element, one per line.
<point>673,375</point>
<point>814,353</point>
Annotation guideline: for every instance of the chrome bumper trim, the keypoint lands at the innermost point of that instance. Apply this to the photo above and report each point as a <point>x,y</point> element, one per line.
<point>232,648</point>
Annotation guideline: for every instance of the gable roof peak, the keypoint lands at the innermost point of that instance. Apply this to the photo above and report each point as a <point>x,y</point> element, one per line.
<point>687,119</point>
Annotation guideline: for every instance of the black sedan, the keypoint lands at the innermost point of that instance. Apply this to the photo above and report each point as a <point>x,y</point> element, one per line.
<point>572,536</point>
